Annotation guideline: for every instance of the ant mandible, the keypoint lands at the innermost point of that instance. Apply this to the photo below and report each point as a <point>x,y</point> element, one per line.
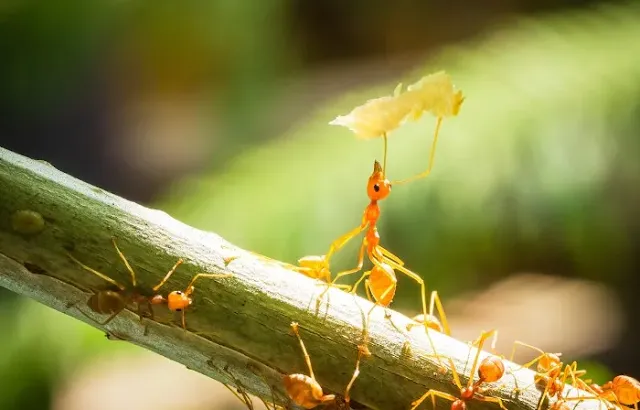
<point>305,391</point>
<point>112,302</point>
<point>491,369</point>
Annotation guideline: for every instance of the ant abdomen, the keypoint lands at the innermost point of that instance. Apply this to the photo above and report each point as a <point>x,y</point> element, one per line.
<point>382,279</point>
<point>626,389</point>
<point>304,391</point>
<point>491,369</point>
<point>106,302</point>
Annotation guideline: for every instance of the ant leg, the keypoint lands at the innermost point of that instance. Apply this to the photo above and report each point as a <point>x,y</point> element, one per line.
<point>109,319</point>
<point>367,288</point>
<point>355,286</point>
<point>307,359</point>
<point>184,320</point>
<point>244,398</point>
<point>432,154</point>
<point>390,255</point>
<point>384,157</point>
<point>190,288</point>
<point>126,263</point>
<point>95,272</point>
<point>377,259</point>
<point>168,275</point>
<point>479,342</point>
<point>497,400</point>
<point>344,273</point>
<point>545,393</point>
<point>433,394</point>
<point>356,373</point>
<point>528,364</point>
<point>341,241</point>
<point>435,301</point>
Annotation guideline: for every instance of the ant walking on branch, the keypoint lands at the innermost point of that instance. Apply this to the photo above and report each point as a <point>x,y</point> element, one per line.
<point>491,369</point>
<point>305,391</point>
<point>115,300</point>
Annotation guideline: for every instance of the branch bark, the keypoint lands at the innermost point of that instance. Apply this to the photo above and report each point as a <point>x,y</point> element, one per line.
<point>246,317</point>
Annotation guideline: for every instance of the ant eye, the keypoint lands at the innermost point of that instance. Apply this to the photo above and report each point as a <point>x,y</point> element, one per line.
<point>376,187</point>
<point>390,186</point>
<point>178,310</point>
<point>178,293</point>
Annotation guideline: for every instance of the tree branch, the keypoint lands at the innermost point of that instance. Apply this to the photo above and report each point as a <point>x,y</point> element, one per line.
<point>246,317</point>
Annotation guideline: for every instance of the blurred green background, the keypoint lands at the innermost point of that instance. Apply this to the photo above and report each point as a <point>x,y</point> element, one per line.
<point>218,112</point>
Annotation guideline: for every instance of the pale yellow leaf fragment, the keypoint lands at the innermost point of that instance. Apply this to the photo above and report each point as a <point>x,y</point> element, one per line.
<point>434,93</point>
<point>376,117</point>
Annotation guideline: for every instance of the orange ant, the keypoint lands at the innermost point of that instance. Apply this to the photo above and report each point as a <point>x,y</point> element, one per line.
<point>382,280</point>
<point>626,389</point>
<point>179,301</point>
<point>430,320</point>
<point>112,302</point>
<point>312,266</point>
<point>622,390</point>
<point>378,188</point>
<point>551,374</point>
<point>491,369</point>
<point>305,391</point>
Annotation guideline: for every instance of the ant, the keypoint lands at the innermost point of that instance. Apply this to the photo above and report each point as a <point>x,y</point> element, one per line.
<point>382,279</point>
<point>312,266</point>
<point>179,301</point>
<point>115,300</point>
<point>430,320</point>
<point>378,188</point>
<point>491,369</point>
<point>305,391</point>
<point>551,374</point>
<point>622,390</point>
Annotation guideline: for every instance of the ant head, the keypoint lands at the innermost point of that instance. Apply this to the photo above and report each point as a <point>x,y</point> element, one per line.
<point>549,361</point>
<point>378,187</point>
<point>177,301</point>
<point>491,369</point>
<point>431,321</point>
